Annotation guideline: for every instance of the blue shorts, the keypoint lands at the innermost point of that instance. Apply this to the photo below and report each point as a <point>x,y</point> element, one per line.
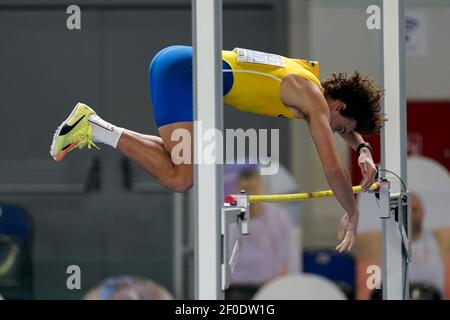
<point>170,76</point>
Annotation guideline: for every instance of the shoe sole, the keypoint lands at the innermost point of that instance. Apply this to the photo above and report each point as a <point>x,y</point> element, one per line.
<point>63,153</point>
<point>56,135</point>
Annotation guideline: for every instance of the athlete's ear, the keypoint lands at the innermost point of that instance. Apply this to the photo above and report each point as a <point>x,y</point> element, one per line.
<point>340,105</point>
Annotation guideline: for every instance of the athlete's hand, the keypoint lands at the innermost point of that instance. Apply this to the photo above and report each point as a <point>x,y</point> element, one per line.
<point>347,232</point>
<point>368,169</point>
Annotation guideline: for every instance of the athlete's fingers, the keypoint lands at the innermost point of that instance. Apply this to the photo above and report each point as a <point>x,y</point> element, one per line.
<point>370,177</point>
<point>343,245</point>
<point>366,176</point>
<point>342,228</point>
<point>363,166</point>
<point>341,232</point>
<point>341,248</point>
<point>367,182</point>
<point>350,246</point>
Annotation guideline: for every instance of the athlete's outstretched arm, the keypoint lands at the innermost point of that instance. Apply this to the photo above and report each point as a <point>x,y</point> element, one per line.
<point>336,175</point>
<point>365,161</point>
<point>306,96</point>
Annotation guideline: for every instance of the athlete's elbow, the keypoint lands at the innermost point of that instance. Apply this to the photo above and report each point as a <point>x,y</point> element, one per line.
<point>333,170</point>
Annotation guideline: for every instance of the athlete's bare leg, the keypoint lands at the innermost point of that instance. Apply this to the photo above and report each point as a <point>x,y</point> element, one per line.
<point>153,154</point>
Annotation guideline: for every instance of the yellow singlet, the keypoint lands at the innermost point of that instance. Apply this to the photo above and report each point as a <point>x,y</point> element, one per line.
<point>257,77</point>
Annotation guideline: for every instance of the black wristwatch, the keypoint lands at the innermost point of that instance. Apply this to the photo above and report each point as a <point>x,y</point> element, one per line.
<point>364,145</point>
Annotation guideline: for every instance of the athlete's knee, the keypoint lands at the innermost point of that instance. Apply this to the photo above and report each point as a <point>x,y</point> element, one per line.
<point>184,182</point>
<point>179,180</point>
<point>183,187</point>
<point>179,185</point>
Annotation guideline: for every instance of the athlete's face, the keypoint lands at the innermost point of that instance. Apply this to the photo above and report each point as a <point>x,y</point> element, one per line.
<point>339,123</point>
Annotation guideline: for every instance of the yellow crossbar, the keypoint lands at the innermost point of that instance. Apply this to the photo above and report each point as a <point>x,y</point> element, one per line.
<point>301,196</point>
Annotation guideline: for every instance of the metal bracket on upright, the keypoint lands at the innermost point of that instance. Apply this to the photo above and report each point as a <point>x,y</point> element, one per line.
<point>394,211</point>
<point>399,206</point>
<point>235,221</point>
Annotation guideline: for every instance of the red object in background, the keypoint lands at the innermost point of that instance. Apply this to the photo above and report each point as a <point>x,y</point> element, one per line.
<point>230,199</point>
<point>428,135</point>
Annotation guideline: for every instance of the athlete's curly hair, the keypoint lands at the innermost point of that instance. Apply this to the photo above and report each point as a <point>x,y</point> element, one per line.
<point>362,98</point>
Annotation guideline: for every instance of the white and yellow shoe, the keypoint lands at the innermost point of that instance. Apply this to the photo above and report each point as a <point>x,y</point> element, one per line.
<point>75,131</point>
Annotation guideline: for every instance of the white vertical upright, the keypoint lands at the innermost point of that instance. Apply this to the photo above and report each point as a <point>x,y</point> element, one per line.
<point>178,245</point>
<point>208,177</point>
<point>393,144</point>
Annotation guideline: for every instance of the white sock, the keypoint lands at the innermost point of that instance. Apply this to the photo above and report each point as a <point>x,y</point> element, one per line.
<point>105,132</point>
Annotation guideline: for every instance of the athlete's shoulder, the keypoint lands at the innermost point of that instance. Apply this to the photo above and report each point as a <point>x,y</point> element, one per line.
<point>296,91</point>
<point>299,83</point>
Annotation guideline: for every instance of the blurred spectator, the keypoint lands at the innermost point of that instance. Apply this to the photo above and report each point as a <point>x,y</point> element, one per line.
<point>430,256</point>
<point>417,291</point>
<point>281,182</point>
<point>264,252</point>
<point>128,288</point>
